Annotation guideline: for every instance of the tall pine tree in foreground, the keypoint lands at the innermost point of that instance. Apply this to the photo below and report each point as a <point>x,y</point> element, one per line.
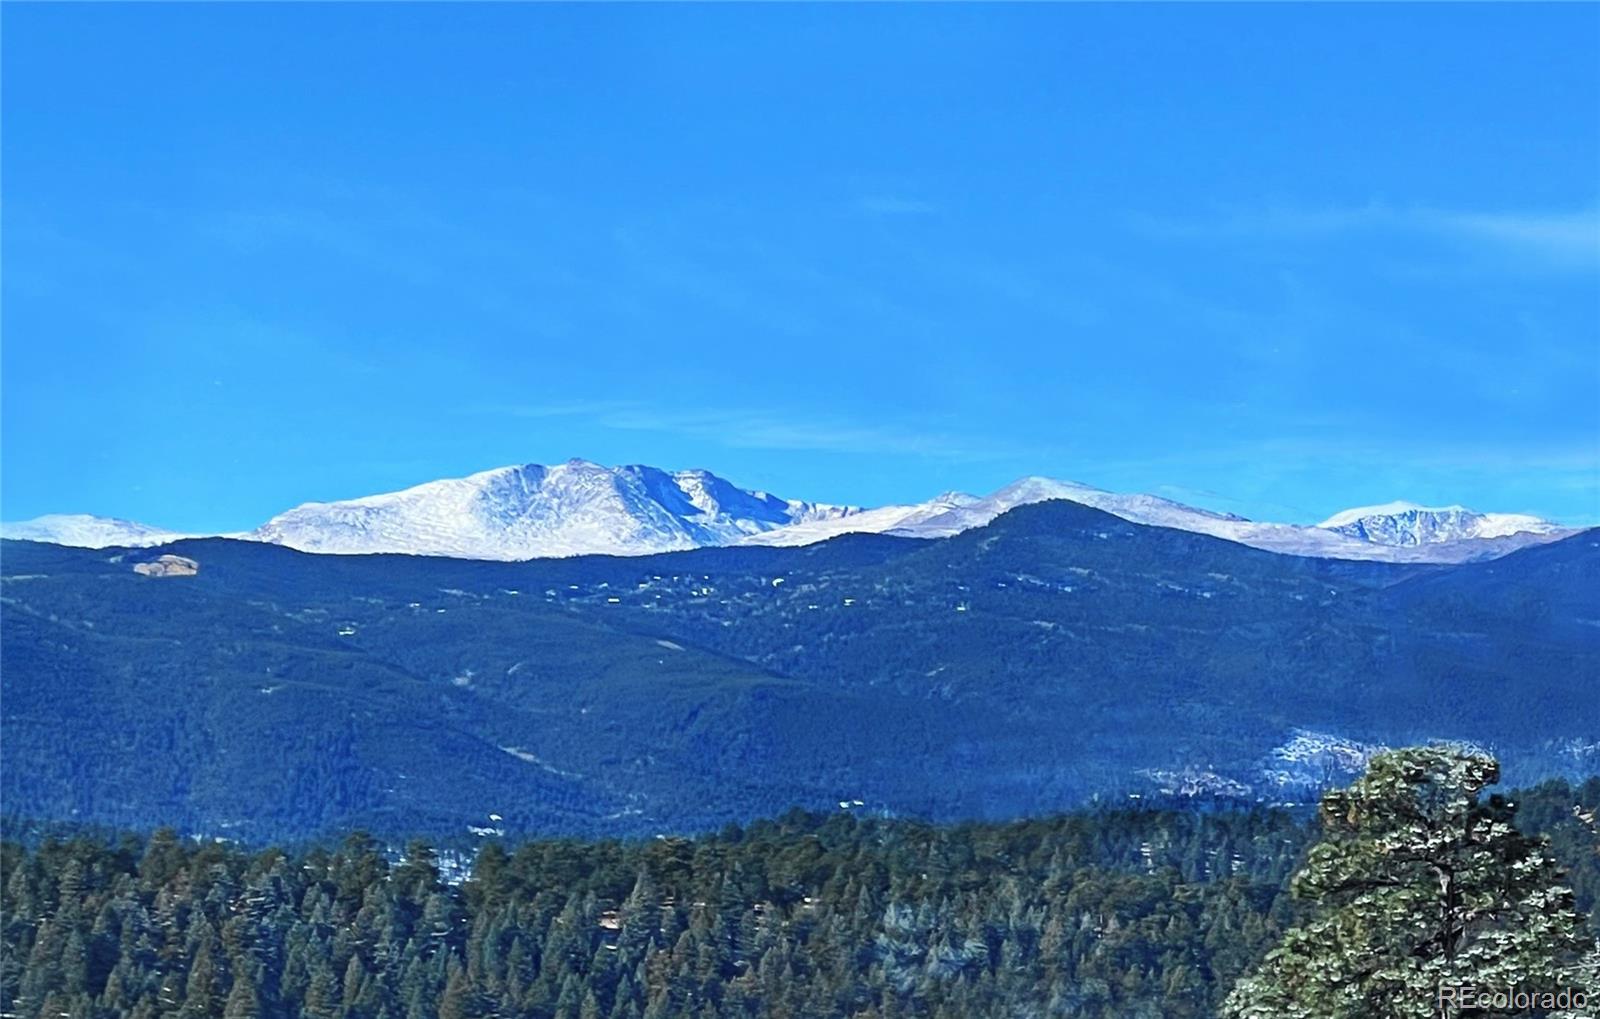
<point>1419,884</point>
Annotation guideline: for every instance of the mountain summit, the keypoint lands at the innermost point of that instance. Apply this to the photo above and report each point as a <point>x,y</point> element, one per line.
<point>531,511</point>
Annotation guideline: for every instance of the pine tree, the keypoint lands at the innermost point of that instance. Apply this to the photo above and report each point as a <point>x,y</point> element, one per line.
<point>322,993</point>
<point>355,981</point>
<point>1418,885</point>
<point>200,994</point>
<point>243,1001</point>
<point>459,1000</point>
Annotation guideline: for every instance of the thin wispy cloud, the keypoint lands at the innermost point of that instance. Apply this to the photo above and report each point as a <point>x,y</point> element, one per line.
<point>1568,238</point>
<point>1573,235</point>
<point>742,428</point>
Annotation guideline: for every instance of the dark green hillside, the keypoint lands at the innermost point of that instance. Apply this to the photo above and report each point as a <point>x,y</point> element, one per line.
<point>1055,655</point>
<point>253,716</point>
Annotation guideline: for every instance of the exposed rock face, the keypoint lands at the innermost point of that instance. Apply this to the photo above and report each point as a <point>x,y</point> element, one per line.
<point>168,566</point>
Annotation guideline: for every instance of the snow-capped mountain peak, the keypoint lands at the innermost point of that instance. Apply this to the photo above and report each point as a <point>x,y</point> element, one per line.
<point>1143,509</point>
<point>532,511</point>
<point>87,531</point>
<point>1407,524</point>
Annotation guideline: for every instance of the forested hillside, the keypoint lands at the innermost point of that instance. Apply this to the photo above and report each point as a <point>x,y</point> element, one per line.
<point>1111,914</point>
<point>1057,655</point>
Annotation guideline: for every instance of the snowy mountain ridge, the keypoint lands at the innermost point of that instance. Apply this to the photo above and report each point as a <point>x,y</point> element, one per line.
<point>1289,539</point>
<point>532,511</point>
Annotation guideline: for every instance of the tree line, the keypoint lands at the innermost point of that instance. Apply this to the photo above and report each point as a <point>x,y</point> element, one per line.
<point>1113,913</point>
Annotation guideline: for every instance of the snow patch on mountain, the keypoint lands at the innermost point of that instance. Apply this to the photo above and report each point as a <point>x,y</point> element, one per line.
<point>1313,761</point>
<point>1194,782</point>
<point>83,530</point>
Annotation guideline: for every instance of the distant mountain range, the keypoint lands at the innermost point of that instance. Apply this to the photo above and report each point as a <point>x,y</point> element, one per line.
<point>582,508</point>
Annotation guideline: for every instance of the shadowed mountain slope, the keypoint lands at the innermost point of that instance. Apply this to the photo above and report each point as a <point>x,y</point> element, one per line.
<point>1058,654</point>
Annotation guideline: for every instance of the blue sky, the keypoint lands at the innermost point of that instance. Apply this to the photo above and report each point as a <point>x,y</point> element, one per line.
<point>1271,259</point>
